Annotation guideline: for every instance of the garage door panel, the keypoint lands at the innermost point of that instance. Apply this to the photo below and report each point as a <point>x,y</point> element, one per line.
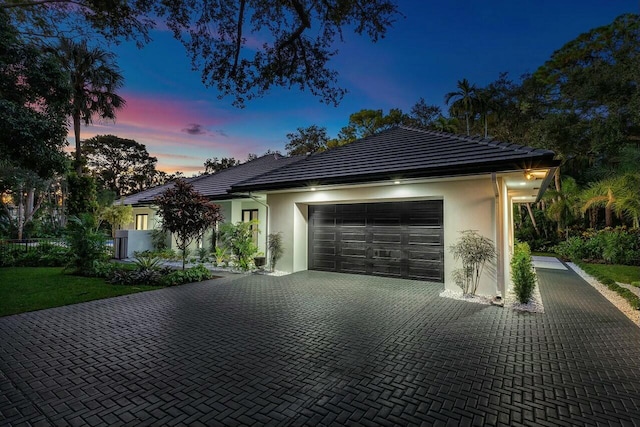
<point>399,239</point>
<point>386,238</point>
<point>348,236</point>
<point>324,236</point>
<point>387,270</point>
<point>354,252</point>
<point>416,238</point>
<point>425,256</point>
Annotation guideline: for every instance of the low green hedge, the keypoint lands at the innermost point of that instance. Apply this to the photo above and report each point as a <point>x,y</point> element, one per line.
<point>625,293</point>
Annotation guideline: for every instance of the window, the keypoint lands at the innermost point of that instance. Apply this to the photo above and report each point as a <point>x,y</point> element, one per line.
<point>251,215</point>
<point>141,221</point>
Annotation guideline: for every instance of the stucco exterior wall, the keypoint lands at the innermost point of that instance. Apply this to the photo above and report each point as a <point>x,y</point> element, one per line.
<point>468,204</point>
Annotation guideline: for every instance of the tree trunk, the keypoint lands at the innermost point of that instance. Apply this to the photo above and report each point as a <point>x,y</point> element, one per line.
<point>608,216</point>
<point>486,126</point>
<point>76,131</point>
<point>533,220</point>
<point>466,116</point>
<point>593,217</point>
<point>20,218</point>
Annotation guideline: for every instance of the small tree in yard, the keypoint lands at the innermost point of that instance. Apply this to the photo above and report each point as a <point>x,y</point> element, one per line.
<point>186,213</point>
<point>275,249</point>
<point>474,251</point>
<point>117,216</point>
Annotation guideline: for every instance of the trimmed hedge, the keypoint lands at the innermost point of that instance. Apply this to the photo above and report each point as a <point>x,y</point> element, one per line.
<point>522,274</point>
<point>625,293</point>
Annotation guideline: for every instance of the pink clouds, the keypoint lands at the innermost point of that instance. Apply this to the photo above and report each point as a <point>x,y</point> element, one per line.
<point>181,134</point>
<point>170,114</point>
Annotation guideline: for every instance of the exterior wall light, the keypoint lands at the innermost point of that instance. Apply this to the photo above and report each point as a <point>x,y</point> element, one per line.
<point>529,175</point>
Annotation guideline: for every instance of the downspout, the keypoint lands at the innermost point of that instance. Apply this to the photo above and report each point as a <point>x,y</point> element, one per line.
<point>499,239</point>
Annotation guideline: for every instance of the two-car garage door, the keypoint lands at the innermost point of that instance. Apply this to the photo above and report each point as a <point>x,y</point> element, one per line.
<point>398,239</point>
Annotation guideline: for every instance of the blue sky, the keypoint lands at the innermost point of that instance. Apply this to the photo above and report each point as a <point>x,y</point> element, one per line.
<point>426,52</point>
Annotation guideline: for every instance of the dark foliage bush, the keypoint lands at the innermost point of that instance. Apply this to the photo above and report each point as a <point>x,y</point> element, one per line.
<point>522,274</point>
<point>87,245</point>
<point>611,246</point>
<point>190,275</point>
<point>42,255</point>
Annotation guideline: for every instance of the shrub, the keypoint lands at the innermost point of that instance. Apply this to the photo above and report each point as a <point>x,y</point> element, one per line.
<point>474,251</point>
<point>275,249</point>
<point>203,254</point>
<point>522,274</point>
<point>190,275</point>
<point>239,238</point>
<point>611,246</point>
<point>86,244</point>
<point>221,255</point>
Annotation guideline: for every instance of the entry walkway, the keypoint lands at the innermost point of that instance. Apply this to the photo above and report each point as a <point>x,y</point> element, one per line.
<point>322,349</point>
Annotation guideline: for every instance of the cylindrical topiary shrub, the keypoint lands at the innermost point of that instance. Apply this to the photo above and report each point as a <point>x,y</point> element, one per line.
<point>522,274</point>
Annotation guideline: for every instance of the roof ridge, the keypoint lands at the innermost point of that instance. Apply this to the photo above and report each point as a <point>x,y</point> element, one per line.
<point>300,157</point>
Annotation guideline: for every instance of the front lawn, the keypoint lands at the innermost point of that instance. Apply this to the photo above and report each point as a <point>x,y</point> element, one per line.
<point>619,273</point>
<point>33,288</point>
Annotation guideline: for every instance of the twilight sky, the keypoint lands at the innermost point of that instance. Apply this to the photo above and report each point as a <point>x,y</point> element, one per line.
<point>436,44</point>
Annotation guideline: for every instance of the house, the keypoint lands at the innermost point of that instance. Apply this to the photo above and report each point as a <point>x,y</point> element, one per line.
<point>391,204</point>
<point>136,236</point>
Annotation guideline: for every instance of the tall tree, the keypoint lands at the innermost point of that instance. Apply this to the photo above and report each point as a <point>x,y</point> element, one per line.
<point>121,165</point>
<point>462,101</point>
<point>424,115</point>
<point>297,37</point>
<point>591,94</point>
<point>94,79</point>
<point>186,213</point>
<point>33,94</point>
<point>368,122</point>
<point>307,140</point>
<point>215,165</point>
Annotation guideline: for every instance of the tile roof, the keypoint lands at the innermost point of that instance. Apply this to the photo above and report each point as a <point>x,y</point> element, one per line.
<point>402,152</point>
<point>216,186</point>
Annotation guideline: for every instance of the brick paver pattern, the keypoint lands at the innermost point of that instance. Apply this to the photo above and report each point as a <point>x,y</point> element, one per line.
<point>318,348</point>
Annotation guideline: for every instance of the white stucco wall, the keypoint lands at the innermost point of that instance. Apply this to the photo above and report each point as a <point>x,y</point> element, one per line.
<point>468,204</point>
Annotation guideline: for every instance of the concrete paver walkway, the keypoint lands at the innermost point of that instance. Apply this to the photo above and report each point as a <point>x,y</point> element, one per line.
<point>320,348</point>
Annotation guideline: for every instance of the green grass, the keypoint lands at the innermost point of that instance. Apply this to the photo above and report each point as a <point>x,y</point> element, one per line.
<point>619,273</point>
<point>32,288</point>
<point>600,272</point>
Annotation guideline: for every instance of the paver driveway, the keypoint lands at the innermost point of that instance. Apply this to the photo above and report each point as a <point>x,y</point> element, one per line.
<point>320,348</point>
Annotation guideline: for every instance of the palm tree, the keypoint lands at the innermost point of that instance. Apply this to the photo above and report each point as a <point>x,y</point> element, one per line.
<point>617,195</point>
<point>463,100</point>
<point>483,100</point>
<point>444,124</point>
<point>627,204</point>
<point>94,78</point>
<point>564,204</point>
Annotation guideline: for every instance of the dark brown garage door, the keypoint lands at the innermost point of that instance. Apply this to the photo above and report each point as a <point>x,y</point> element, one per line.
<point>400,239</point>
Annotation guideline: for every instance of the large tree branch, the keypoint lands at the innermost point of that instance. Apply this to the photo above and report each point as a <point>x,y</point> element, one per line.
<point>304,24</point>
<point>236,55</point>
<point>38,3</point>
